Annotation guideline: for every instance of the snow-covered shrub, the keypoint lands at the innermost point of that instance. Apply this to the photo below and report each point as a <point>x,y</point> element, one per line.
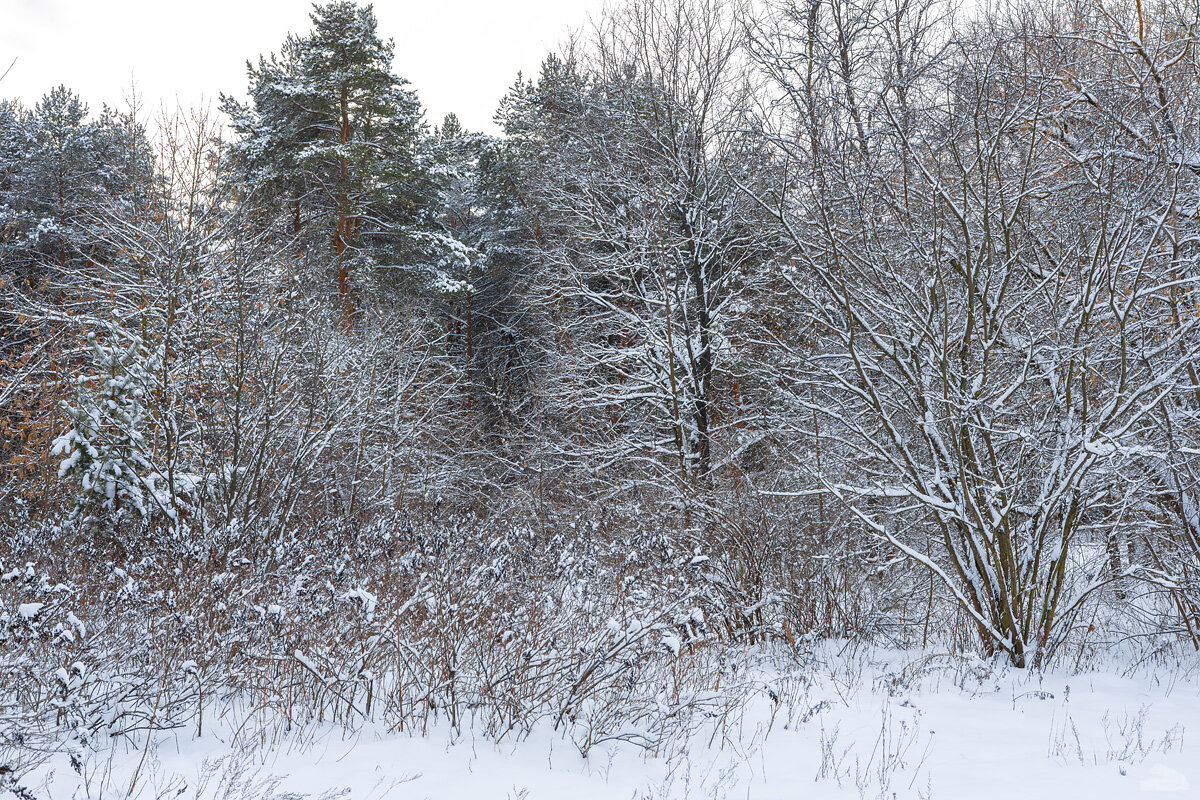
<point>477,623</point>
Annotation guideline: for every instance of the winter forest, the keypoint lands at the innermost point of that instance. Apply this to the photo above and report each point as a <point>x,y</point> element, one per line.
<point>793,399</point>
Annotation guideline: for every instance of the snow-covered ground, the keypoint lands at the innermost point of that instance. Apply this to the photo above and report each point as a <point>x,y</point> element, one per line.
<point>869,724</point>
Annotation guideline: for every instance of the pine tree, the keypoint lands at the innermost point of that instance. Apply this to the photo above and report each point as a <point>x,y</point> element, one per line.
<point>16,145</point>
<point>64,173</point>
<point>332,139</point>
<point>106,451</point>
<point>59,171</point>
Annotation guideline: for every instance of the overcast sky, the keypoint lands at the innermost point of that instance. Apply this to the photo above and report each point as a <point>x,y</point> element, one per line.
<point>460,55</point>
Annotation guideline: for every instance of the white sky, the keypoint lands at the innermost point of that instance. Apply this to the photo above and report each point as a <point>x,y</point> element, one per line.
<point>459,55</point>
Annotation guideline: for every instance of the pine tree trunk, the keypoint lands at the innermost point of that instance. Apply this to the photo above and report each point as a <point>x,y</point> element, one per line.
<point>349,310</point>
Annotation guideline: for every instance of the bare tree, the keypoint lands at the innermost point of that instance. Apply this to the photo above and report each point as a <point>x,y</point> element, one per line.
<point>989,305</point>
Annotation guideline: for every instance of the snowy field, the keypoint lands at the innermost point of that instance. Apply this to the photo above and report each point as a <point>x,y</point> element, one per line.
<point>866,724</point>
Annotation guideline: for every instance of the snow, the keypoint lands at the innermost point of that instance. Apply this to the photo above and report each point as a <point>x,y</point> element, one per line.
<point>1164,779</point>
<point>29,610</point>
<point>365,598</point>
<point>876,724</point>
